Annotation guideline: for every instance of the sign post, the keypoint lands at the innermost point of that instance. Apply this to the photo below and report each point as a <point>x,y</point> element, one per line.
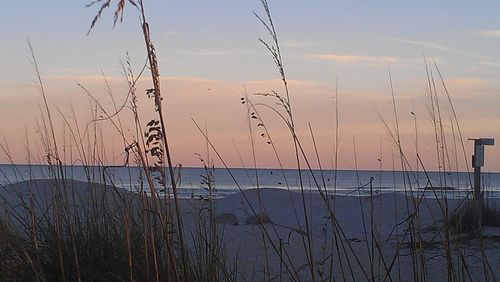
<point>477,163</point>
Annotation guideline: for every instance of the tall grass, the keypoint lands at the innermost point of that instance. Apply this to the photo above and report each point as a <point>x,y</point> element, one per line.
<point>65,230</point>
<point>108,234</point>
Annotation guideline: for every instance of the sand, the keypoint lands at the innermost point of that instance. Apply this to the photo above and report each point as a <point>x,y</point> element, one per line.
<point>387,255</point>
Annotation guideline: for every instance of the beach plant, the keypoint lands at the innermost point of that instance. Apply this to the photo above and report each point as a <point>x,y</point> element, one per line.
<point>111,234</point>
<point>108,243</point>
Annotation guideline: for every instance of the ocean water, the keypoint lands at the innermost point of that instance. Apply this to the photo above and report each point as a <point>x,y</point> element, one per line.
<point>192,181</point>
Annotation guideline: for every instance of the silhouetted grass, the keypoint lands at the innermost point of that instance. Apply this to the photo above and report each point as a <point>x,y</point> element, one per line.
<point>104,233</point>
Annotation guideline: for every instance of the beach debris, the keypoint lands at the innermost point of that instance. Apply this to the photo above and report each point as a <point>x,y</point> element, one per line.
<point>258,218</point>
<point>226,218</point>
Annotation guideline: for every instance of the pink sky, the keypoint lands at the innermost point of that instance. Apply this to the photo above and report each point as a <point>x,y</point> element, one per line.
<point>207,65</point>
<point>215,104</point>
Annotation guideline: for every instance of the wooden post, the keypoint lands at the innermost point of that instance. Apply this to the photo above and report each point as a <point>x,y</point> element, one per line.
<point>478,199</point>
<point>477,163</point>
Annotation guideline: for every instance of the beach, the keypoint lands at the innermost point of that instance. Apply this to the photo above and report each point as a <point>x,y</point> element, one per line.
<point>265,234</point>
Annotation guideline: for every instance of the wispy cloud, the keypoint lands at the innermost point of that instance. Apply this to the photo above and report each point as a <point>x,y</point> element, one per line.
<point>169,34</point>
<point>211,53</point>
<point>294,44</point>
<point>425,44</point>
<point>490,63</point>
<point>467,83</point>
<point>489,33</point>
<point>354,59</point>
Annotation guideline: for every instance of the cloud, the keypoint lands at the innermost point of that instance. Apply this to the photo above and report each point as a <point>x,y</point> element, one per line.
<point>467,83</point>
<point>294,44</point>
<point>211,53</point>
<point>489,33</point>
<point>490,63</point>
<point>425,44</point>
<point>354,59</point>
<point>171,33</point>
<point>460,87</point>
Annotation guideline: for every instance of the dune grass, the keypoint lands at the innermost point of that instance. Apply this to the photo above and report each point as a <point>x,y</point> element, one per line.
<point>114,235</point>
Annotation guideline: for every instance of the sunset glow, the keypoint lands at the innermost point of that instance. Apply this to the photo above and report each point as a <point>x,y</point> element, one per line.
<point>337,55</point>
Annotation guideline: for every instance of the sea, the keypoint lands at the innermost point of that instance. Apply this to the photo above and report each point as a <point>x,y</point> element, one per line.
<point>220,182</point>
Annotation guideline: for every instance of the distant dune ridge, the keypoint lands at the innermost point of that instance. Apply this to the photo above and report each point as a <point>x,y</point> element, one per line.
<point>285,230</point>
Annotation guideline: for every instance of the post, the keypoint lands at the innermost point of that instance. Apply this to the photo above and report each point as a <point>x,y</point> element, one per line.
<point>478,199</point>
<point>477,163</point>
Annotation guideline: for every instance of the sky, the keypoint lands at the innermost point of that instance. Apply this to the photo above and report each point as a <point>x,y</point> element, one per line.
<point>340,55</point>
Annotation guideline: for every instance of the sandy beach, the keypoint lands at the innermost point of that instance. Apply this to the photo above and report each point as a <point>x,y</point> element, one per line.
<point>369,238</point>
